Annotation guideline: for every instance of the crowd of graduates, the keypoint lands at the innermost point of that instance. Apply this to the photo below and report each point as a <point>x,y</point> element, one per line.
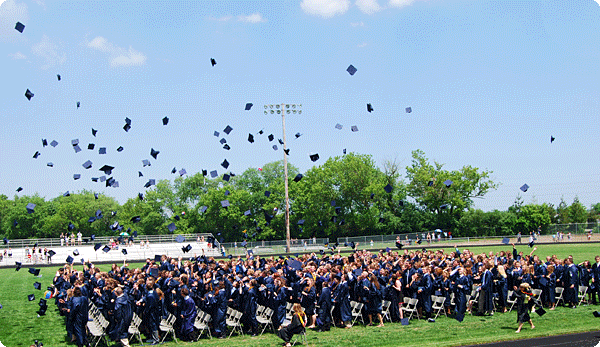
<point>322,284</point>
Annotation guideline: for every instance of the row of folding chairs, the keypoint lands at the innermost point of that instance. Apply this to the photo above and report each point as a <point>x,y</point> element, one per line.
<point>233,320</point>
<point>202,323</point>
<point>97,326</point>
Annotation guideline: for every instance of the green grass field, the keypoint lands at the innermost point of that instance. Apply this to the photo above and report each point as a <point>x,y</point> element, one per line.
<point>20,326</point>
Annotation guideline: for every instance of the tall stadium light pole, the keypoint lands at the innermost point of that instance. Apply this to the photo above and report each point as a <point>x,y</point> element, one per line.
<point>283,109</point>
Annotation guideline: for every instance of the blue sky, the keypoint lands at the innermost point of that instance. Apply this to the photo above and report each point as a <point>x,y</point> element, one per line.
<point>488,82</point>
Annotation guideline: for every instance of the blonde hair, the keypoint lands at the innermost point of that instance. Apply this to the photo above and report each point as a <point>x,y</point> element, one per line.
<point>297,308</point>
<point>524,285</point>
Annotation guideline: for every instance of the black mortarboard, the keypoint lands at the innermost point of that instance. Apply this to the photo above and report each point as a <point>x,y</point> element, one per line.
<point>30,208</point>
<point>93,237</point>
<point>248,106</point>
<point>50,164</point>
<point>171,227</point>
<point>173,170</point>
<point>301,222</point>
<point>28,94</point>
<point>120,149</point>
<point>124,251</point>
<point>106,249</point>
<point>506,240</point>
<point>351,70</point>
<point>77,148</point>
<point>271,137</point>
<point>295,265</point>
<point>275,147</point>
<point>177,217</point>
<point>74,142</point>
<point>30,297</point>
<point>5,240</point>
<point>78,104</point>
<point>444,206</point>
<point>408,110</point>
<point>227,130</point>
<point>247,213</point>
<point>280,141</point>
<point>267,193</point>
<point>126,127</point>
<point>51,253</point>
<point>531,244</point>
<point>338,126</point>
<point>70,260</point>
<point>298,135</point>
<point>54,143</point>
<point>354,128</point>
<point>223,141</point>
<point>214,173</point>
<point>91,146</point>
<point>102,150</point>
<point>36,154</point>
<point>154,153</point>
<point>369,108</point>
<point>250,138</point>
<point>67,193</point>
<point>314,157</point>
<point>213,62</point>
<point>19,189</point>
<point>37,285</point>
<point>150,182</point>
<point>225,163</point>
<point>540,311</point>
<point>76,176</point>
<point>18,266</point>
<point>226,177</point>
<point>180,238</point>
<point>388,188</point>
<point>107,169</point>
<point>146,162</point>
<point>97,246</point>
<point>448,183</point>
<point>71,226</point>
<point>91,219</point>
<point>19,27</point>
<point>186,248</point>
<point>94,131</point>
<point>552,138</point>
<point>225,203</point>
<point>136,219</point>
<point>165,120</point>
<point>596,314</point>
<point>182,172</point>
<point>34,271</point>
<point>298,178</point>
<point>44,142</point>
<point>524,188</point>
<point>430,183</point>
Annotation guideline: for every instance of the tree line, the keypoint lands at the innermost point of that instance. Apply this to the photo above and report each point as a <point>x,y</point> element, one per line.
<point>345,196</point>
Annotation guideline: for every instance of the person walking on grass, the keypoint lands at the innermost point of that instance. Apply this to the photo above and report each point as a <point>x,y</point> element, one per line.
<point>523,306</point>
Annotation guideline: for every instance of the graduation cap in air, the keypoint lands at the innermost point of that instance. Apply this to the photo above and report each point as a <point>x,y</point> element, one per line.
<point>351,70</point>
<point>37,285</point>
<point>44,142</point>
<point>71,226</point>
<point>91,219</point>
<point>524,188</point>
<point>102,150</point>
<point>506,240</point>
<point>444,206</point>
<point>552,139</point>
<point>213,62</point>
<point>223,141</point>
<point>267,193</point>
<point>171,227</point>
<point>419,241</point>
<point>126,127</point>
<point>298,178</point>
<point>271,137</point>
<point>141,196</point>
<point>227,130</point>
<point>36,155</point>
<point>154,153</point>
<point>67,193</point>
<point>408,110</point>
<point>19,27</point>
<point>369,108</point>
<point>54,143</point>
<point>275,147</point>
<point>214,174</point>
<point>182,172</point>
<point>5,240</point>
<point>76,176</point>
<point>448,183</point>
<point>51,253</point>
<point>301,222</point>
<point>596,314</point>
<point>136,219</point>
<point>314,157</point>
<point>76,252</point>
<point>298,135</point>
<point>30,208</point>
<point>94,131</point>
<point>186,248</point>
<point>19,189</point>
<point>247,213</point>
<point>18,266</point>
<point>388,188</point>
<point>150,182</point>
<point>339,126</point>
<point>530,244</point>
<point>91,146</point>
<point>120,149</point>
<point>97,246</point>
<point>107,169</point>
<point>354,128</point>
<point>34,271</point>
<point>225,203</point>
<point>180,238</point>
<point>165,120</point>
<point>106,249</point>
<point>250,138</point>
<point>225,164</point>
<point>28,94</point>
<point>78,104</point>
<point>30,297</point>
<point>50,164</point>
<point>226,178</point>
<point>146,162</point>
<point>77,148</point>
<point>70,260</point>
<point>248,106</point>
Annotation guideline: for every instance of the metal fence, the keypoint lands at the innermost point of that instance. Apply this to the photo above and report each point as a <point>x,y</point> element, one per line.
<point>574,228</point>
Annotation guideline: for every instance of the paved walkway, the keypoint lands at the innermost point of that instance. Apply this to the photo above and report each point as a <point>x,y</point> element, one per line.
<point>589,339</point>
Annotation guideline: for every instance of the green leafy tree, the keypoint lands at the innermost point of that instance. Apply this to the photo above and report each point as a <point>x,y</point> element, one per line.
<point>577,212</point>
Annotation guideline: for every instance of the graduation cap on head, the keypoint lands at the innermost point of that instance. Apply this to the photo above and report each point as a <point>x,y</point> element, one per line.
<point>70,260</point>
<point>154,153</point>
<point>351,70</point>
<point>227,130</point>
<point>408,110</point>
<point>248,106</point>
<point>34,271</point>
<point>298,178</point>
<point>28,94</point>
<point>146,162</point>
<point>106,249</point>
<point>171,227</point>
<point>213,62</point>
<point>37,285</point>
<point>225,203</point>
<point>271,137</point>
<point>524,188</point>
<point>505,240</point>
<point>107,169</point>
<point>354,128</point>
<point>19,27</point>
<point>448,183</point>
<point>369,108</point>
<point>30,297</point>
<point>225,164</point>
<point>30,208</point>
<point>102,150</point>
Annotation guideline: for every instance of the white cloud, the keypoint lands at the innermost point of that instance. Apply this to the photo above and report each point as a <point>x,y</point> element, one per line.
<point>598,1</point>
<point>48,51</point>
<point>362,24</point>
<point>325,8</point>
<point>253,18</point>
<point>364,44</point>
<point>118,56</point>
<point>12,12</point>
<point>368,6</point>
<point>401,3</point>
<point>18,56</point>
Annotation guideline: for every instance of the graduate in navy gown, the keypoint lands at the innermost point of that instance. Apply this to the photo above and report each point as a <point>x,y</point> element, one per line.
<point>220,311</point>
<point>152,311</point>
<point>325,305</point>
<point>79,317</point>
<point>123,314</point>
<point>341,298</point>
<point>463,287</point>
<point>374,299</point>
<point>250,307</point>
<point>188,315</point>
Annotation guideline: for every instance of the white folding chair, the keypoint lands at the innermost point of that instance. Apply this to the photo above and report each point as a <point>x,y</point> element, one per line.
<point>201,323</point>
<point>510,301</point>
<point>265,319</point>
<point>581,294</point>
<point>234,322</point>
<point>438,306</point>
<point>559,295</point>
<point>385,309</point>
<point>411,308</point>
<point>357,311</point>
<point>134,328</point>
<point>166,325</point>
<point>302,336</point>
<point>537,296</point>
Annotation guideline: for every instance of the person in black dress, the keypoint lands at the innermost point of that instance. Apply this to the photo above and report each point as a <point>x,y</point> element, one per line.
<point>297,326</point>
<point>523,306</point>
